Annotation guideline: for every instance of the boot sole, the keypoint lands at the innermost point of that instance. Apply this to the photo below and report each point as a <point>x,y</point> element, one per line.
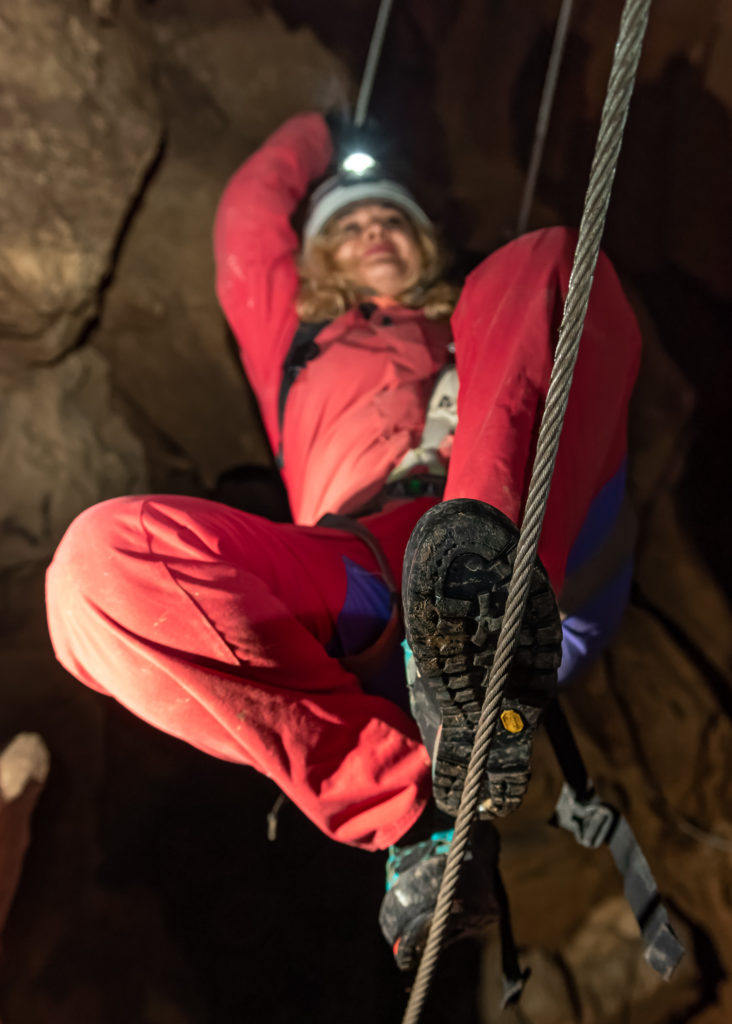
<point>457,569</point>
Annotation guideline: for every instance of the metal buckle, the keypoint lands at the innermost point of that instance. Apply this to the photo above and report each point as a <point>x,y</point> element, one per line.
<point>590,821</point>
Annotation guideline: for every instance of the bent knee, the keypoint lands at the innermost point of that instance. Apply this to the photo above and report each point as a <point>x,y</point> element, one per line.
<point>85,574</point>
<point>95,536</point>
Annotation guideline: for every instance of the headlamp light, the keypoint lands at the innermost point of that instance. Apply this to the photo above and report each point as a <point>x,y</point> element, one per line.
<point>358,164</point>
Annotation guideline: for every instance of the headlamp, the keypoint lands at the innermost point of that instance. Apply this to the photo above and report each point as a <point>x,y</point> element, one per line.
<point>360,178</point>
<point>358,163</point>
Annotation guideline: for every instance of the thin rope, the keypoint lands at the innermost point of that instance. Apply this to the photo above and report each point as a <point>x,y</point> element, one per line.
<point>545,111</point>
<point>620,88</point>
<point>372,63</point>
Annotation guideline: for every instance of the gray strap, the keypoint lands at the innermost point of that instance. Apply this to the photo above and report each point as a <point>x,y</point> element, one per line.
<point>593,823</point>
<point>661,947</point>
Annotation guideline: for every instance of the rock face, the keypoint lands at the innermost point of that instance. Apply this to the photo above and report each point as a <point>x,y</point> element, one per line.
<point>80,130</point>
<point>150,892</point>
<point>23,772</point>
<point>63,447</point>
<point>221,92</point>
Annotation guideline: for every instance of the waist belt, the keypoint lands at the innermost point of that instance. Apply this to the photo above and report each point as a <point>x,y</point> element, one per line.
<point>421,485</point>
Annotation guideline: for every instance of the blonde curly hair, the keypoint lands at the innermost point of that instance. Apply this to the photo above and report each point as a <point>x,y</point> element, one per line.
<point>326,293</point>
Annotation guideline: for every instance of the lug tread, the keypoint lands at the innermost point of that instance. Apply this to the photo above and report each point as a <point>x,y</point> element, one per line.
<point>470,551</point>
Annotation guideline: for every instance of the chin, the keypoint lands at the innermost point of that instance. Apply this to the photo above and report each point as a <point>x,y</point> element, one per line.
<point>386,286</point>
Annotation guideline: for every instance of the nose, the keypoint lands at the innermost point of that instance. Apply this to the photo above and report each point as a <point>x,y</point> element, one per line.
<point>374,229</point>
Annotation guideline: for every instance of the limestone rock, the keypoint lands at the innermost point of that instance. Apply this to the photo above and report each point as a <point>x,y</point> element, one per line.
<point>660,414</point>
<point>599,975</point>
<point>62,448</point>
<point>24,767</point>
<point>235,67</point>
<point>605,961</point>
<point>162,329</point>
<point>80,129</point>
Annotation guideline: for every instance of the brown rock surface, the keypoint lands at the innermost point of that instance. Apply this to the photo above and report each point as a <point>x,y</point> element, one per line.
<point>63,446</point>
<point>161,328</point>
<point>23,772</point>
<point>80,130</point>
<point>150,893</point>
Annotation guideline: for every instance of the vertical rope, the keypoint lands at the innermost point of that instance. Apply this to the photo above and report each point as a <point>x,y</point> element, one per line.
<point>545,110</point>
<point>620,87</point>
<point>372,63</point>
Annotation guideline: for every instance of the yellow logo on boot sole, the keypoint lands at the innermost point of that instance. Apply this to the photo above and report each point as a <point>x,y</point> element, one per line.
<point>512,721</point>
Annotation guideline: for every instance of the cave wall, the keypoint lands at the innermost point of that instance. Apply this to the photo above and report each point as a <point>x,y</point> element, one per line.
<point>122,122</point>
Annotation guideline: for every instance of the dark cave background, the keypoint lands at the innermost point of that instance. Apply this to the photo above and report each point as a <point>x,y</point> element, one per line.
<point>149,890</point>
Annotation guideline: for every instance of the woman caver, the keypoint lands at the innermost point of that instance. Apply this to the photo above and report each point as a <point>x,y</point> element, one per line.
<point>246,638</point>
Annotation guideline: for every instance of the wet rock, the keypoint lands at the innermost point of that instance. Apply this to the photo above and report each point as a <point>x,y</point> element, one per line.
<point>80,130</point>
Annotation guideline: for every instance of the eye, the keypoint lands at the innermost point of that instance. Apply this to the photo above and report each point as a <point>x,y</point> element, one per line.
<point>352,229</point>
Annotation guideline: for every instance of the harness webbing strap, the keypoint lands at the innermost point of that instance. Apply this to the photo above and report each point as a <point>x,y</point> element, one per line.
<point>593,823</point>
<point>514,977</point>
<point>302,349</point>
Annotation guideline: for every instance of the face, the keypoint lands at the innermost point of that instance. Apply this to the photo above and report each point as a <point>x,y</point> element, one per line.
<point>376,249</point>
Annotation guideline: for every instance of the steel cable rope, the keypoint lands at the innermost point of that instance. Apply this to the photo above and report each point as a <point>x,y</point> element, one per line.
<point>545,110</point>
<point>633,24</point>
<point>372,63</point>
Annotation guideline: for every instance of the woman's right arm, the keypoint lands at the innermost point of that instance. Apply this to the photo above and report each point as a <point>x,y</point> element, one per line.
<point>255,248</point>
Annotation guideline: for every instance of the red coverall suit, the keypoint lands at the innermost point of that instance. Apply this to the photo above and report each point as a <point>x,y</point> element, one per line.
<point>214,625</point>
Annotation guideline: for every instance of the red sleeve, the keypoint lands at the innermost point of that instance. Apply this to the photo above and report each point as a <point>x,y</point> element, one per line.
<point>255,247</point>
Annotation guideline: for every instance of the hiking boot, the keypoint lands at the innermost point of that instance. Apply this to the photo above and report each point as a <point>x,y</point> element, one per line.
<point>413,876</point>
<point>457,568</point>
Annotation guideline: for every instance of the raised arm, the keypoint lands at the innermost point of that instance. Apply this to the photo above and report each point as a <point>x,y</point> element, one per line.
<point>255,247</point>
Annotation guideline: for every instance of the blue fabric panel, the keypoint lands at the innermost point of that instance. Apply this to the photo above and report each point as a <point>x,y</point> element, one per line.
<point>588,631</point>
<point>585,634</point>
<point>600,520</point>
<point>365,612</point>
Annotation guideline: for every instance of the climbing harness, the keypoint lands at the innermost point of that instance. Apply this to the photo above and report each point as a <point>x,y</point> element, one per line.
<point>633,24</point>
<point>542,120</point>
<point>440,421</point>
<point>422,471</point>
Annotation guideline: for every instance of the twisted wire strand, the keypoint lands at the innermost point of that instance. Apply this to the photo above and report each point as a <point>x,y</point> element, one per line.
<point>372,63</point>
<point>545,110</point>
<point>615,109</point>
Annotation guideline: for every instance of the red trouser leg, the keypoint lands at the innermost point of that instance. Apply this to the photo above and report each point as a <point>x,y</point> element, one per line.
<point>210,624</point>
<point>505,328</point>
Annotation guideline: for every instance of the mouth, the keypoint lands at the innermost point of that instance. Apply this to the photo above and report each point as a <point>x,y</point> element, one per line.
<point>381,249</point>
